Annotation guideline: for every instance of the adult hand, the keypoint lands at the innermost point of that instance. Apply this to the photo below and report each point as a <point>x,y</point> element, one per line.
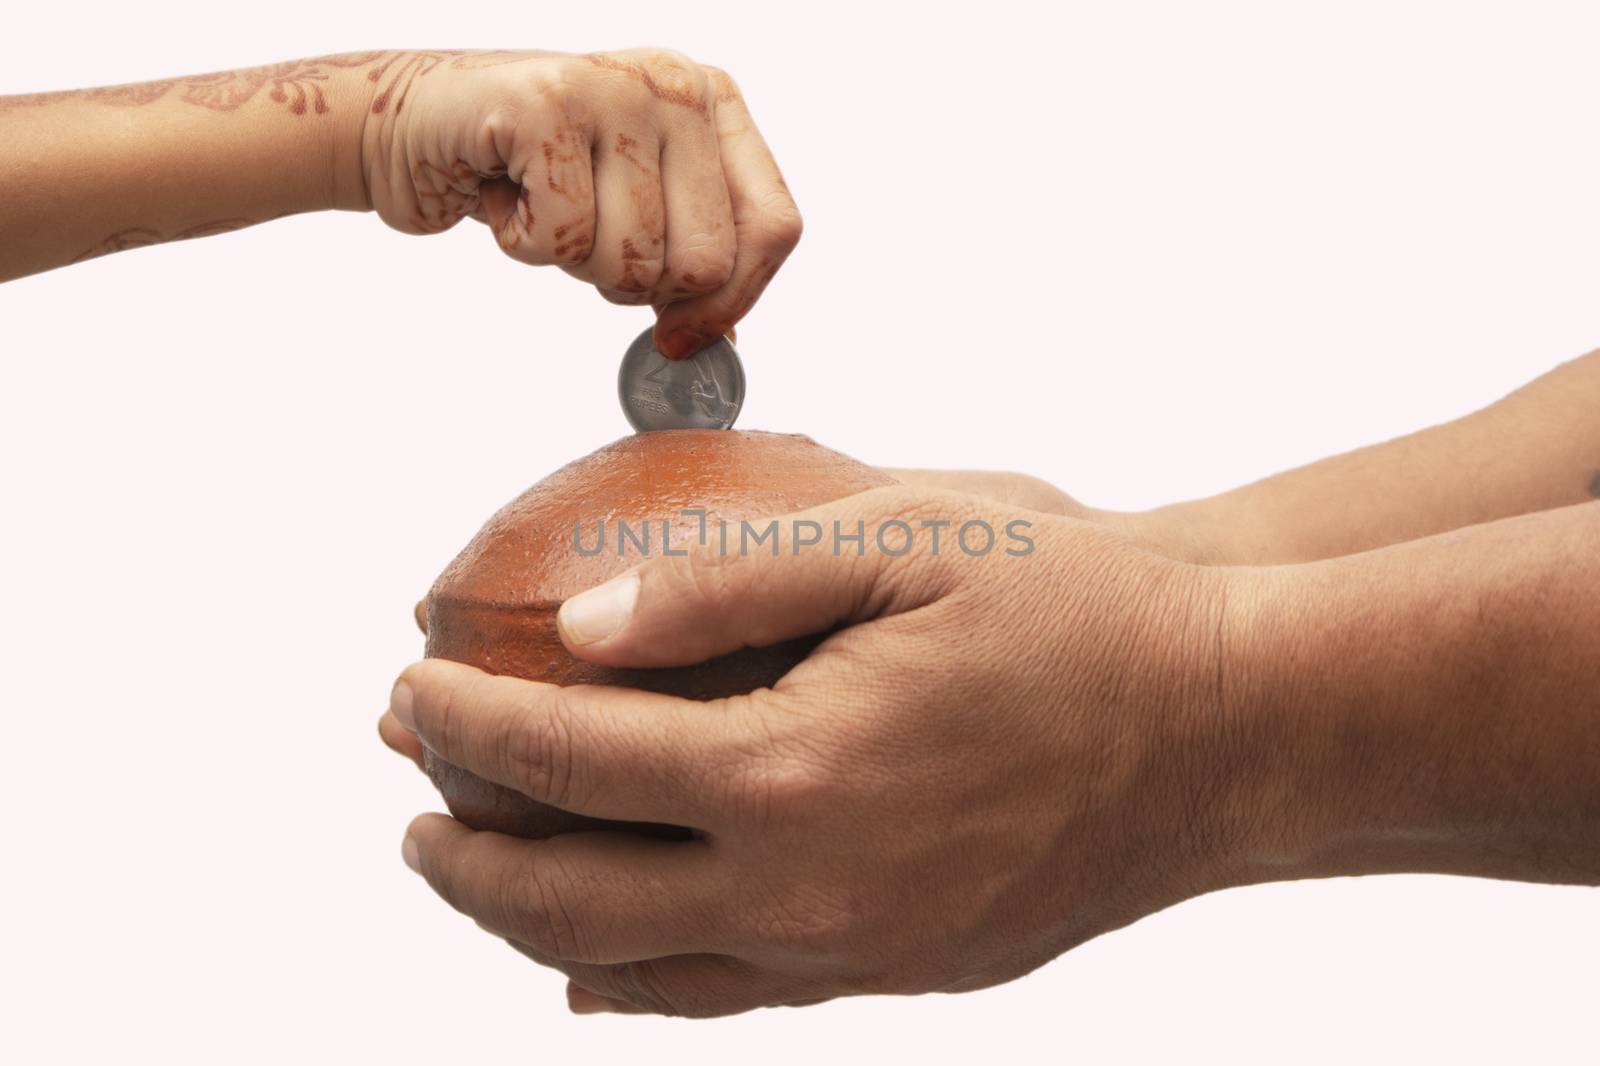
<point>1158,531</point>
<point>640,172</point>
<point>1170,531</point>
<point>996,758</point>
<point>1005,487</point>
<point>999,487</point>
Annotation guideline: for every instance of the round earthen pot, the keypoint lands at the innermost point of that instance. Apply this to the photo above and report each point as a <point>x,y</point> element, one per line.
<point>494,607</point>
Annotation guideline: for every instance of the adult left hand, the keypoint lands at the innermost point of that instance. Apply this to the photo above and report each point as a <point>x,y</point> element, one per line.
<point>997,757</point>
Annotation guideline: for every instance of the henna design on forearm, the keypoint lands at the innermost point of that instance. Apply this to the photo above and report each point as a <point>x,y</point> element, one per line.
<point>221,225</point>
<point>19,101</point>
<point>407,68</point>
<point>226,90</point>
<point>297,83</point>
<point>143,236</point>
<point>136,95</point>
<point>121,241</point>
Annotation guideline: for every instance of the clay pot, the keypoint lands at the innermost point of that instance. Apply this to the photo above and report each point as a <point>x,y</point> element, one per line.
<point>494,607</point>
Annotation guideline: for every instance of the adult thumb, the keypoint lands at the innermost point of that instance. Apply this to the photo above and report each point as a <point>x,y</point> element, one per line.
<point>767,581</point>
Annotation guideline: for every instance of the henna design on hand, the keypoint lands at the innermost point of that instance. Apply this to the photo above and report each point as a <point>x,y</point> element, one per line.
<point>629,282</point>
<point>444,197</point>
<point>646,192</point>
<point>525,209</point>
<point>646,197</point>
<point>143,236</point>
<point>576,239</point>
<point>653,79</point>
<point>626,146</point>
<point>496,58</point>
<point>745,297</point>
<point>510,236</point>
<point>566,165</point>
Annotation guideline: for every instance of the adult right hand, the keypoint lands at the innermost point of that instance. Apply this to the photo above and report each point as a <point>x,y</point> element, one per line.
<point>995,758</point>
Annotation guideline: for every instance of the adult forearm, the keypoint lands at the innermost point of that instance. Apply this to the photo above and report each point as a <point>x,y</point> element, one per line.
<point>1430,707</point>
<point>89,172</point>
<point>1536,449</point>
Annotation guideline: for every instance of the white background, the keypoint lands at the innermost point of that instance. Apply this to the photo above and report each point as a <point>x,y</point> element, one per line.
<point>1145,251</point>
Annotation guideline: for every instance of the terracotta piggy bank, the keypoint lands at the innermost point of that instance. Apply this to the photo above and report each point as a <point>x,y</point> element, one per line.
<point>494,607</point>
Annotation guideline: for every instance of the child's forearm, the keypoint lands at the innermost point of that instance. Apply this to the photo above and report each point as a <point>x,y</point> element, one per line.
<point>89,172</point>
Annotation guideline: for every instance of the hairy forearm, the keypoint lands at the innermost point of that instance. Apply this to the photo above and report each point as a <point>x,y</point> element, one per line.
<point>1428,707</point>
<point>1538,448</point>
<point>85,173</point>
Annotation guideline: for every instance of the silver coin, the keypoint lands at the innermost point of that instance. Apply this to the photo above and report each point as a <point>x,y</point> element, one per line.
<point>704,391</point>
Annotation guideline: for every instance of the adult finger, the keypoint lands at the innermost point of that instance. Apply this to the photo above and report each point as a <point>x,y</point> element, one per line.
<point>766,228</point>
<point>692,986</point>
<point>581,1001</point>
<point>1019,490</point>
<point>842,563</point>
<point>695,986</point>
<point>598,898</point>
<point>400,739</point>
<point>604,751</point>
